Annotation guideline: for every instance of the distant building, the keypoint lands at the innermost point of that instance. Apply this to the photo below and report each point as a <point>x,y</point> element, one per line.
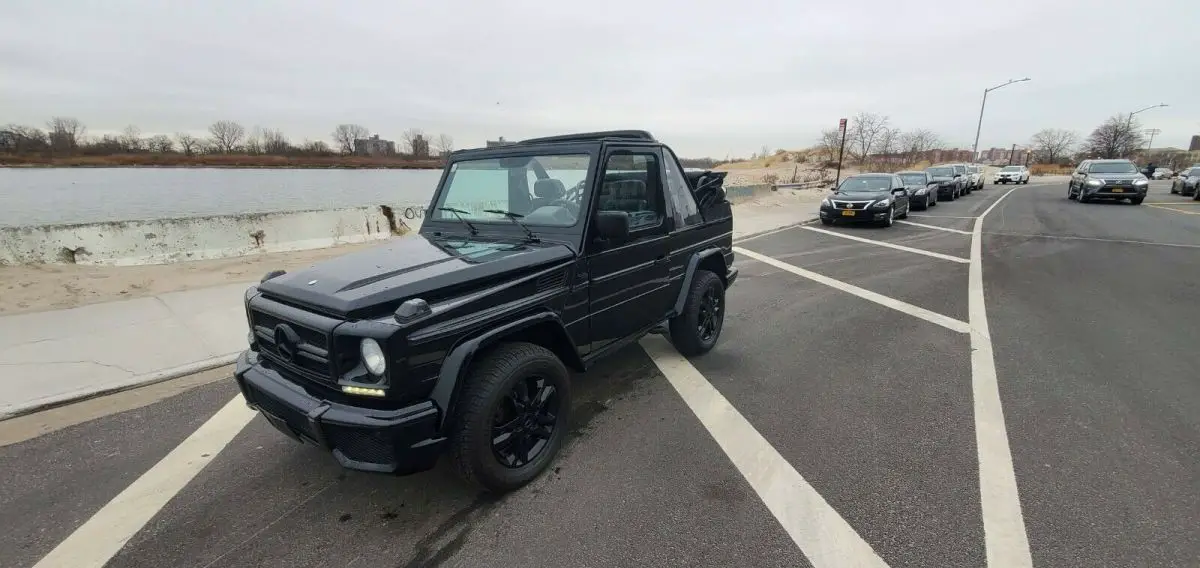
<point>374,146</point>
<point>497,143</point>
<point>420,147</point>
<point>1195,145</point>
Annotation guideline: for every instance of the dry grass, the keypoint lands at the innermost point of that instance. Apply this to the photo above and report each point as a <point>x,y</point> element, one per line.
<point>1050,170</point>
<point>218,160</point>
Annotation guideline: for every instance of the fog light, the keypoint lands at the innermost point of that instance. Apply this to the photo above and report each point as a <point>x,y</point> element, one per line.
<point>363,391</point>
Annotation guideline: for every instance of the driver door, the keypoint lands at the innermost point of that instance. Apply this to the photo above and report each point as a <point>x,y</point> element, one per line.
<point>628,282</point>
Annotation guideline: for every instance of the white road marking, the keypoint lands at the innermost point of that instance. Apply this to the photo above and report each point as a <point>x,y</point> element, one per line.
<point>891,246</point>
<point>766,233</point>
<point>915,311</point>
<point>1068,237</point>
<point>1005,539</point>
<point>99,539</point>
<point>824,537</point>
<point>941,216</point>
<point>947,229</point>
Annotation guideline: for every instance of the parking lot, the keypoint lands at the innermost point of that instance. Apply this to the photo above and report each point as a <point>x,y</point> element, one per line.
<point>954,390</point>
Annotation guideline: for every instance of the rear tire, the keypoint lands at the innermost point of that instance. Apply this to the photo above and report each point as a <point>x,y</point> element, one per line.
<point>531,384</point>
<point>697,329</point>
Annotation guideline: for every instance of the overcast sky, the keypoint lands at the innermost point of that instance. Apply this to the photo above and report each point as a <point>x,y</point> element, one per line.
<point>709,78</point>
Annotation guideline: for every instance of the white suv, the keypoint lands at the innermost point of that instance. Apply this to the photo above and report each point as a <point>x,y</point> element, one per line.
<point>1012,174</point>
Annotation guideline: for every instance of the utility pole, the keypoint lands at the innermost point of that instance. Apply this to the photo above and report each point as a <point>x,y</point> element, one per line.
<point>1152,132</point>
<point>842,127</point>
<point>979,127</point>
<point>1011,153</point>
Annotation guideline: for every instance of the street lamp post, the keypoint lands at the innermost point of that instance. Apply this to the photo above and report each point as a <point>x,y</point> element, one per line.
<point>975,147</point>
<point>1129,122</point>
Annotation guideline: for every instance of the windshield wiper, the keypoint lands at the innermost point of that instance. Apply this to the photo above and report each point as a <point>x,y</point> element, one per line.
<point>515,218</point>
<point>459,214</point>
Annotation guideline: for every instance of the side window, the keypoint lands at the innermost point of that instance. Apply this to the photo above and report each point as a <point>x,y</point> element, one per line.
<point>681,193</point>
<point>632,184</point>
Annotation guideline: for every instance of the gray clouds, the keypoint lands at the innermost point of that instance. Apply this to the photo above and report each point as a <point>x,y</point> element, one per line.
<point>710,78</point>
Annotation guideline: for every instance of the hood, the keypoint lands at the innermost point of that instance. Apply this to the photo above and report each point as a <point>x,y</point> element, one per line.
<point>375,280</point>
<point>861,196</point>
<point>941,178</point>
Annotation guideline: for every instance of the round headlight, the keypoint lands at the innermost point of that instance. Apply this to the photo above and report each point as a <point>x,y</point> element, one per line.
<point>372,356</point>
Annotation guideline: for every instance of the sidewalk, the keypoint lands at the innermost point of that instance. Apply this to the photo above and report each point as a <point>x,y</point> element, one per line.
<point>52,357</point>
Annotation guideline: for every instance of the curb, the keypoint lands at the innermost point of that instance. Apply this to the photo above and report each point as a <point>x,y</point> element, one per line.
<point>57,400</point>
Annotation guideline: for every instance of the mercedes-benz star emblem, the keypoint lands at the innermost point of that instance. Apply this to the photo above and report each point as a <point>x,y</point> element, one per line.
<point>286,342</point>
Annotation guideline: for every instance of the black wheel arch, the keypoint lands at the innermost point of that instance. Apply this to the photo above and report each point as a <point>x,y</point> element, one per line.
<point>542,328</point>
<point>710,259</point>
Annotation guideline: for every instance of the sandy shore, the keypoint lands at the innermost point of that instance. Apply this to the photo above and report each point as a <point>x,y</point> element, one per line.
<point>34,288</point>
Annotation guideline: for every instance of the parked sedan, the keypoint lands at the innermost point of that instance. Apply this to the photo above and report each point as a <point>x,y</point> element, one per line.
<point>1012,174</point>
<point>950,184</point>
<point>867,198</point>
<point>1187,182</point>
<point>922,190</point>
<point>975,177</point>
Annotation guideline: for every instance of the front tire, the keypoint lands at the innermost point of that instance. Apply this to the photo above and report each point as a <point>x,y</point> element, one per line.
<point>696,330</point>
<point>512,417</point>
<point>1136,200</point>
<point>826,221</point>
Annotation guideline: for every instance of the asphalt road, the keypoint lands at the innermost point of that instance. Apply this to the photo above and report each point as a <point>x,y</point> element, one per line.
<point>1093,312</point>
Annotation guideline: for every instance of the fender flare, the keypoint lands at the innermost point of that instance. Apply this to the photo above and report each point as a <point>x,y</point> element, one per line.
<point>456,362</point>
<point>694,263</point>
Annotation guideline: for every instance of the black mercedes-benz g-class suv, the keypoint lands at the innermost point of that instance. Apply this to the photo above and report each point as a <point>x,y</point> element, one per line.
<point>533,258</point>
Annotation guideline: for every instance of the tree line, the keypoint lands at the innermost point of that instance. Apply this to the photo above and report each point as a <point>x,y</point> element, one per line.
<point>1119,136</point>
<point>871,137</point>
<point>65,136</point>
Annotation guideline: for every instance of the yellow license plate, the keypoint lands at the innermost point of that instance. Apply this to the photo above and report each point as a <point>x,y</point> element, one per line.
<point>1118,190</point>
<point>847,213</point>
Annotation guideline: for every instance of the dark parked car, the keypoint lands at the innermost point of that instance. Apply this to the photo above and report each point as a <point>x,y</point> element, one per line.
<point>867,198</point>
<point>950,185</point>
<point>1107,179</point>
<point>1186,183</point>
<point>922,190</point>
<point>534,257</point>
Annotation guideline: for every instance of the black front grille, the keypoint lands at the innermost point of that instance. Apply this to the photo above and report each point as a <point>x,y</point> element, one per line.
<point>849,205</point>
<point>308,356</point>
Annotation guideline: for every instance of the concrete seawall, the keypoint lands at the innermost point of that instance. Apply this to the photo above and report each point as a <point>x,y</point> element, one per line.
<point>164,241</point>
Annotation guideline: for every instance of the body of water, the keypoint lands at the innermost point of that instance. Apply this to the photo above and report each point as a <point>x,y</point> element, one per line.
<point>39,196</point>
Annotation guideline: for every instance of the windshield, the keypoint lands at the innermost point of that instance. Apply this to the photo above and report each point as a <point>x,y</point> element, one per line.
<point>1113,168</point>
<point>865,184</point>
<point>973,169</point>
<point>913,179</point>
<point>1011,169</point>
<point>541,189</point>
<point>947,172</point>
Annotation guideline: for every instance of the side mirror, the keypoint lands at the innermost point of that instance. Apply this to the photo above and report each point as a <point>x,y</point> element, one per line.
<point>833,188</point>
<point>899,191</point>
<point>613,226</point>
<point>956,176</point>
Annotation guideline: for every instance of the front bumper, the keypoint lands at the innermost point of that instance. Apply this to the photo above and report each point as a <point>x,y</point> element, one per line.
<point>1114,192</point>
<point>946,190</point>
<point>400,441</point>
<point>1007,179</point>
<point>868,215</point>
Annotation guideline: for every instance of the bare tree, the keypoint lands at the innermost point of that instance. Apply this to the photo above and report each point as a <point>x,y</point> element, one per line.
<point>345,135</point>
<point>1053,144</point>
<point>914,144</point>
<point>131,139</point>
<point>764,152</point>
<point>863,133</point>
<point>188,143</point>
<point>253,144</point>
<point>889,139</point>
<point>315,148</point>
<point>444,144</point>
<point>274,142</point>
<point>65,133</point>
<point>1118,137</point>
<point>412,139</point>
<point>226,135</point>
<point>26,138</point>
<point>830,144</point>
<point>160,144</point>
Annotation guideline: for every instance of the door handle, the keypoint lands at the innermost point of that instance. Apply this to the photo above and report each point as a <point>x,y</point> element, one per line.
<point>662,259</point>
